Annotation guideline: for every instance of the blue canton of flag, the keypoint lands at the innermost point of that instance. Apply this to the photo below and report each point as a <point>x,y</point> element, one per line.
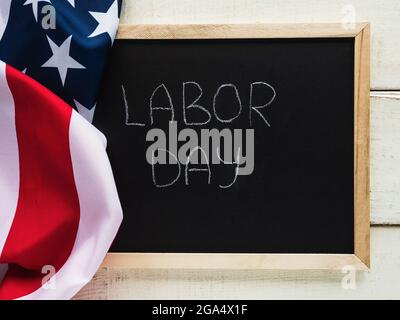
<point>67,57</point>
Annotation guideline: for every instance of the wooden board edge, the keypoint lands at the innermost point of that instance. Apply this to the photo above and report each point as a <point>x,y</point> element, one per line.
<point>362,146</point>
<point>238,31</point>
<point>233,261</point>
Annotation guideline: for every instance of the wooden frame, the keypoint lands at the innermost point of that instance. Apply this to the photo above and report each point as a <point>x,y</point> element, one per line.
<point>360,260</point>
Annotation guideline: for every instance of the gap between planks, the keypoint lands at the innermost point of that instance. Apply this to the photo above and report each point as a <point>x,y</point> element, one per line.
<point>387,94</point>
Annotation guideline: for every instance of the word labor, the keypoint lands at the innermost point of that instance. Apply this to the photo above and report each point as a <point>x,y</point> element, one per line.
<point>193,110</point>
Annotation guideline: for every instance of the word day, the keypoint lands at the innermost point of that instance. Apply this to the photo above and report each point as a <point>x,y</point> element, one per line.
<point>189,153</point>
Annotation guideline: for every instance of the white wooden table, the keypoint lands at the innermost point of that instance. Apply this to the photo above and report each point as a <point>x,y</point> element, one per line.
<point>383,281</point>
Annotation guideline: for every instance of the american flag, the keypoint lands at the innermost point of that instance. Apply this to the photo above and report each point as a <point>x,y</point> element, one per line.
<point>59,208</point>
<point>67,58</point>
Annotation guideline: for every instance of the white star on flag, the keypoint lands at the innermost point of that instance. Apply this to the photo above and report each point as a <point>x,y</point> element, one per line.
<point>61,59</point>
<point>72,2</point>
<point>85,112</point>
<point>35,4</point>
<point>108,21</point>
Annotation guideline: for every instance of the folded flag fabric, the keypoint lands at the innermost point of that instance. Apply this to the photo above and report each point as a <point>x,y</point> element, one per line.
<point>59,208</point>
<point>63,44</point>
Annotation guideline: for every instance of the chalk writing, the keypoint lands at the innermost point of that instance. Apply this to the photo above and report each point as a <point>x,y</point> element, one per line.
<point>194,150</point>
<point>161,91</point>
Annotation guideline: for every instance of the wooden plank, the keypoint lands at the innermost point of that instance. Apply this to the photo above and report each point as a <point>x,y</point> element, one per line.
<point>381,282</point>
<point>385,22</point>
<point>237,31</point>
<point>385,158</point>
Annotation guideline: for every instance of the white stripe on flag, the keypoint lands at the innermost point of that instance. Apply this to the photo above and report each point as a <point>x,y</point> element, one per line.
<point>9,159</point>
<point>100,211</point>
<point>4,14</point>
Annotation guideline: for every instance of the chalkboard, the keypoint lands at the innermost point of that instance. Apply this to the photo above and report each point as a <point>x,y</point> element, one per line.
<point>232,145</point>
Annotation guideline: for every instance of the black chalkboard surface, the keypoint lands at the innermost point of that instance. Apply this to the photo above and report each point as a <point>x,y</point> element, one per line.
<point>295,190</point>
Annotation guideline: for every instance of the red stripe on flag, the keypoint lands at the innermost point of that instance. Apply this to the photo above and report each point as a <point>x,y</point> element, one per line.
<point>47,216</point>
